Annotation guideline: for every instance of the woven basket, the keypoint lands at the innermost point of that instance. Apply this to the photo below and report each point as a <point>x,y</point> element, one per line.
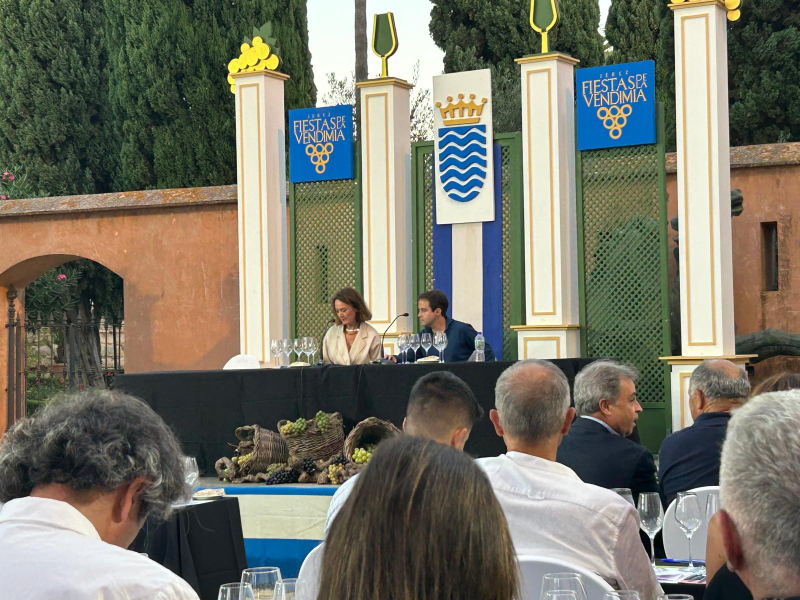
<point>313,443</point>
<point>369,431</point>
<point>259,447</point>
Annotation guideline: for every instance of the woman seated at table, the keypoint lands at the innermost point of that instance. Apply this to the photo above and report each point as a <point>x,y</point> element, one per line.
<point>351,341</point>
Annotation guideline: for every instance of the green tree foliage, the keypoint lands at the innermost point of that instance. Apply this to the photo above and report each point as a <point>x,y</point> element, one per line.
<point>172,112</point>
<point>632,29</point>
<point>499,31</point>
<point>52,92</point>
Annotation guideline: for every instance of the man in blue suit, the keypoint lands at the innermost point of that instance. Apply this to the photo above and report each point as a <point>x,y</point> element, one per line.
<point>432,307</point>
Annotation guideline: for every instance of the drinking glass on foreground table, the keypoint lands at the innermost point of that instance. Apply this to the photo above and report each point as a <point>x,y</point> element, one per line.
<point>622,595</point>
<point>651,518</point>
<point>571,583</point>
<point>235,591</point>
<point>264,581</point>
<point>712,506</point>
<point>687,514</point>
<point>286,589</point>
<point>626,495</point>
<point>191,472</point>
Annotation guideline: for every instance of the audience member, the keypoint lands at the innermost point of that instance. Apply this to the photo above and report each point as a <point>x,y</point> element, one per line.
<point>780,382</point>
<point>441,408</point>
<point>596,447</point>
<point>760,497</point>
<point>79,478</point>
<point>549,510</point>
<point>422,523</point>
<point>689,458</point>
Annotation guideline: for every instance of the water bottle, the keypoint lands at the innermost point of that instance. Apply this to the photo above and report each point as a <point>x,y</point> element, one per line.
<point>480,347</point>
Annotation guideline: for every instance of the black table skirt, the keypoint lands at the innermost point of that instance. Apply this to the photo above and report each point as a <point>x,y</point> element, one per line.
<point>205,407</point>
<point>202,543</point>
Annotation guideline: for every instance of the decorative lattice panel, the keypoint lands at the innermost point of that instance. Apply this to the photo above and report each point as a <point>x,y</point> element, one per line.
<point>509,336</point>
<point>325,232</point>
<point>427,198</point>
<point>622,275</point>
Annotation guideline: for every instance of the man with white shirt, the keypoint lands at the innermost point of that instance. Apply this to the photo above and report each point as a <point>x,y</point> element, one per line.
<point>79,478</point>
<point>549,510</point>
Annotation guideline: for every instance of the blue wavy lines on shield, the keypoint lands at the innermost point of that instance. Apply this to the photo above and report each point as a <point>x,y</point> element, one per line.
<point>462,161</point>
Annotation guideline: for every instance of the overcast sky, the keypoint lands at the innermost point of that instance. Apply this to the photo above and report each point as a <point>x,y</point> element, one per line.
<point>330,32</point>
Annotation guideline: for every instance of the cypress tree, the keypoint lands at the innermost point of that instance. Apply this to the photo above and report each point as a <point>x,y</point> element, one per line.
<point>52,89</point>
<point>632,29</point>
<point>174,115</point>
<point>500,30</point>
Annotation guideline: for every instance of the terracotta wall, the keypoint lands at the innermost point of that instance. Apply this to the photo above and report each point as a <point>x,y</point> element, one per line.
<point>176,250</point>
<point>769,177</point>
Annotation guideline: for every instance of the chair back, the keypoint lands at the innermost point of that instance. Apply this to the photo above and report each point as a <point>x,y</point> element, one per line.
<point>676,545</point>
<point>532,570</point>
<point>310,575</point>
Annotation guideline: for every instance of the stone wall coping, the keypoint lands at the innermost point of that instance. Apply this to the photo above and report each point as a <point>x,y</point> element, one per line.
<point>145,199</point>
<point>763,155</point>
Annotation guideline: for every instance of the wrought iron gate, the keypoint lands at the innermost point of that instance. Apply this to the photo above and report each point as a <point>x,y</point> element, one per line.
<point>422,197</point>
<point>324,247</point>
<point>623,264</point>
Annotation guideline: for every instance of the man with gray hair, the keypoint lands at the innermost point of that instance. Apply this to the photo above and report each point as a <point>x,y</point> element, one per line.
<point>549,510</point>
<point>79,478</point>
<point>689,458</point>
<point>596,447</point>
<point>760,495</point>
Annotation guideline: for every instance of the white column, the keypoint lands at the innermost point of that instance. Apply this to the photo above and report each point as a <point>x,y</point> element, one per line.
<point>704,199</point>
<point>385,136</point>
<point>551,327</point>
<point>261,179</point>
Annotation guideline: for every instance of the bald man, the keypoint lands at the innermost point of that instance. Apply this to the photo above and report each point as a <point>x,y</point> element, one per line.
<point>690,458</point>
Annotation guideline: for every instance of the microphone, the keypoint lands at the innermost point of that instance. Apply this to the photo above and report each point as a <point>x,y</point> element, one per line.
<point>328,325</point>
<point>382,360</point>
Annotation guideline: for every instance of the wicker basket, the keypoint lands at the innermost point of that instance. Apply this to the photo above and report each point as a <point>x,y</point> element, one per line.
<point>259,448</point>
<point>313,443</point>
<point>369,431</point>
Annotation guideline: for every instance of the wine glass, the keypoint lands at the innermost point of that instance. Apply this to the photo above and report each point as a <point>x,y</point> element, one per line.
<point>276,348</point>
<point>403,344</point>
<point>286,589</point>
<point>651,518</point>
<point>676,597</point>
<point>440,343</point>
<point>191,472</point>
<point>622,595</point>
<point>415,344</point>
<point>305,351</point>
<point>560,595</point>
<point>312,346</point>
<point>570,583</point>
<point>426,342</point>
<point>264,581</point>
<point>712,506</point>
<point>626,495</point>
<point>236,591</point>
<point>687,514</point>
<point>298,349</point>
<point>286,346</point>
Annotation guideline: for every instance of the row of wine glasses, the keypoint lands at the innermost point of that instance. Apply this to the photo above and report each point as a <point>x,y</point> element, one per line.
<point>415,341</point>
<point>569,586</point>
<point>259,583</point>
<point>687,514</point>
<point>300,346</point>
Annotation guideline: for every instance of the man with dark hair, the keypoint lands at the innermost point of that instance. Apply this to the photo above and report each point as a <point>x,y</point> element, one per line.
<point>79,478</point>
<point>432,312</point>
<point>441,408</point>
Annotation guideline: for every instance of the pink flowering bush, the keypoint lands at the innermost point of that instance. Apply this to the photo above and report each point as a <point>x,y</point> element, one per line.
<point>14,184</point>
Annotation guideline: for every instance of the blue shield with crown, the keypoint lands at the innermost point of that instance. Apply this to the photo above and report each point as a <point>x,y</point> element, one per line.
<point>463,148</point>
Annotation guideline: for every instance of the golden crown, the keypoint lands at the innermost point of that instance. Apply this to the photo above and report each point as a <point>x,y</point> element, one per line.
<point>461,113</point>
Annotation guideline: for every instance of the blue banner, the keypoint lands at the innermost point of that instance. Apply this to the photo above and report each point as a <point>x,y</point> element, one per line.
<point>616,105</point>
<point>321,143</point>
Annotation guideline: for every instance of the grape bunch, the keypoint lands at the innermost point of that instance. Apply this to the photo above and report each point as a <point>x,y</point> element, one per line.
<point>258,57</point>
<point>334,473</point>
<point>282,476</point>
<point>340,460</point>
<point>241,460</point>
<point>323,421</point>
<point>274,467</point>
<point>308,466</point>
<point>362,455</point>
<point>295,428</point>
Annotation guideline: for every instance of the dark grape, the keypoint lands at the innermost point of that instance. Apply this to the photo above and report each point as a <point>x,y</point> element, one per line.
<point>340,460</point>
<point>308,466</point>
<point>283,476</point>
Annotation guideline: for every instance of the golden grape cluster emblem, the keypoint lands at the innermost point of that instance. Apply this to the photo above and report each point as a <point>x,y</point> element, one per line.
<point>257,56</point>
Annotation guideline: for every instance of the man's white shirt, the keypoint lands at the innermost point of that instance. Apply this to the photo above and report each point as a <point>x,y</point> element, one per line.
<point>48,549</point>
<point>337,501</point>
<point>551,512</point>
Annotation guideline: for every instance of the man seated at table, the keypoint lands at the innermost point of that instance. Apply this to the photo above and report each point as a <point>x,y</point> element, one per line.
<point>760,494</point>
<point>550,511</point>
<point>432,312</point>
<point>79,478</point>
<point>441,408</point>
<point>689,458</point>
<point>596,447</point>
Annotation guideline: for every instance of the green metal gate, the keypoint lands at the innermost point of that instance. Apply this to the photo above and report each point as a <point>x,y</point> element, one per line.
<point>422,196</point>
<point>324,248</point>
<point>623,267</point>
